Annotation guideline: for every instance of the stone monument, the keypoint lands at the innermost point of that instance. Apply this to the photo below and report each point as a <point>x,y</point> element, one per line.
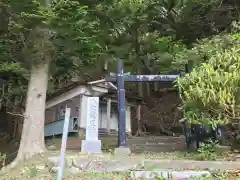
<point>92,144</point>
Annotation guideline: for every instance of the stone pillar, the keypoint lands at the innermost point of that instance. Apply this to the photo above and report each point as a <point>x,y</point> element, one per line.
<point>91,144</point>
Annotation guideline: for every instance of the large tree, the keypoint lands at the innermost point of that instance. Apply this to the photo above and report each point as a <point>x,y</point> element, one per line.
<point>40,31</point>
<point>33,52</point>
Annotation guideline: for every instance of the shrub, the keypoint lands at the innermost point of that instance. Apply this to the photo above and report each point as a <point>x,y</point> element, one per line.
<point>210,93</point>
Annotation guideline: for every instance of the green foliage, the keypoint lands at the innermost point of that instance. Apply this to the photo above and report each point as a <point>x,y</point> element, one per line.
<point>207,151</point>
<point>75,42</point>
<point>73,36</point>
<point>20,17</point>
<point>210,91</point>
<point>3,159</point>
<point>162,52</point>
<point>74,28</point>
<point>84,34</point>
<point>200,11</point>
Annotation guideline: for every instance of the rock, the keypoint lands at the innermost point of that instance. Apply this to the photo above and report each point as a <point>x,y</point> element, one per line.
<point>52,147</point>
<point>74,170</point>
<point>189,174</point>
<point>69,162</point>
<point>237,157</point>
<point>190,164</point>
<point>91,164</point>
<point>55,161</point>
<point>71,170</point>
<point>24,170</point>
<point>236,151</point>
<point>52,161</point>
<point>222,149</point>
<point>167,173</point>
<point>145,175</point>
<point>230,158</point>
<point>82,153</point>
<point>54,169</point>
<point>122,151</point>
<point>40,167</point>
<point>16,143</point>
<point>120,166</point>
<point>139,166</point>
<point>82,163</point>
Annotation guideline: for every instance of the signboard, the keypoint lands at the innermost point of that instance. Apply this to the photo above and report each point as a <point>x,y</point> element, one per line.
<point>92,118</point>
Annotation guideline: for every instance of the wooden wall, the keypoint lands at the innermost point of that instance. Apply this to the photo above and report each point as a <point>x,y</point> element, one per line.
<point>56,112</point>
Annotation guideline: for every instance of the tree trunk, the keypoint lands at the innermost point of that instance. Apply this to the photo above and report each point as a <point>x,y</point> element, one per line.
<point>39,51</point>
<point>148,88</point>
<point>140,93</point>
<point>32,140</point>
<point>139,71</point>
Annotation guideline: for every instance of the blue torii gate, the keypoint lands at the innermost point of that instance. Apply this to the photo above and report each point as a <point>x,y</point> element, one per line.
<point>120,77</point>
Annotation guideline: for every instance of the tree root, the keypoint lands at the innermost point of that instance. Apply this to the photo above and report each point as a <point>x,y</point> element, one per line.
<point>9,167</point>
<point>20,158</point>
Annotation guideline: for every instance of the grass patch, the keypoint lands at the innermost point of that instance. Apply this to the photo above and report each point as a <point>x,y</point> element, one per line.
<point>122,176</point>
<point>81,176</point>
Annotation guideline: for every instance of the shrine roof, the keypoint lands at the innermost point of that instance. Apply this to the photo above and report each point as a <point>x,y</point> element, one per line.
<point>130,96</point>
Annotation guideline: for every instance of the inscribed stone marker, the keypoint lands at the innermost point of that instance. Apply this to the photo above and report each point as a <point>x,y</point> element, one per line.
<point>91,144</point>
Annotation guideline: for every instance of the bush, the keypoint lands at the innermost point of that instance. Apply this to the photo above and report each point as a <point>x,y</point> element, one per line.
<point>207,151</point>
<point>210,93</point>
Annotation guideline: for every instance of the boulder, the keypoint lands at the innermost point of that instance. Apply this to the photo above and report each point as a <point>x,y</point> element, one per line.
<point>55,161</point>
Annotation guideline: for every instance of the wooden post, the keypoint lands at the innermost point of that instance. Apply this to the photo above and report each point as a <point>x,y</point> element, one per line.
<point>105,70</point>
<point>139,125</point>
<point>109,101</point>
<point>82,115</point>
<point>140,93</point>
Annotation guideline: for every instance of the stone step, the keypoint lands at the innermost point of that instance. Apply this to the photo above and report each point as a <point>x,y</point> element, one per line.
<point>168,174</point>
<point>135,141</point>
<point>144,138</point>
<point>156,137</point>
<point>160,144</point>
<point>144,143</point>
<point>142,149</point>
<point>158,148</point>
<point>139,146</point>
<point>152,165</point>
<point>157,140</point>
